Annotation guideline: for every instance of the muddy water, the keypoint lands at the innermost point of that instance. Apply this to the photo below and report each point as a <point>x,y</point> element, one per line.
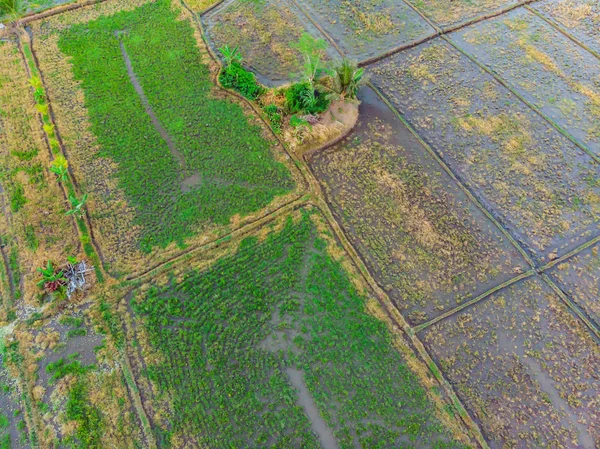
<point>317,424</point>
<point>546,384</point>
<point>190,181</point>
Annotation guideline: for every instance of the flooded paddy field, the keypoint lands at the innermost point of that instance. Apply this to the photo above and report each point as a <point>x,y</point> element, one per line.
<point>542,187</point>
<point>429,246</point>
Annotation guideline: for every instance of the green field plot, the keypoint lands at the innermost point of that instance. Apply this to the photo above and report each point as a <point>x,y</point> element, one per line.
<point>164,155</point>
<point>581,18</point>
<point>579,277</point>
<point>429,245</point>
<point>543,65</point>
<point>33,225</point>
<point>264,32</point>
<point>273,341</point>
<point>543,188</point>
<point>368,28</point>
<point>525,367</point>
<point>447,13</point>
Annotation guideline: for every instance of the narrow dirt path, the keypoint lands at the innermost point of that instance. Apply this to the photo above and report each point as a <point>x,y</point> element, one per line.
<point>305,400</point>
<point>187,182</point>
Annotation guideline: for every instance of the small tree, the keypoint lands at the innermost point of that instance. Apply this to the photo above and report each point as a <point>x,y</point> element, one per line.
<point>77,205</point>
<point>51,279</point>
<point>60,167</point>
<point>231,55</point>
<point>347,78</point>
<point>313,52</point>
<point>13,9</point>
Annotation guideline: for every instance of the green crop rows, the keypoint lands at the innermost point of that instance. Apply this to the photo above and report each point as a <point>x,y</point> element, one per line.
<point>217,147</point>
<point>228,334</point>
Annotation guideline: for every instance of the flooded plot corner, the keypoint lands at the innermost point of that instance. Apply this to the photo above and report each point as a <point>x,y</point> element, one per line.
<point>525,367</point>
<point>264,32</point>
<point>446,13</point>
<point>544,66</point>
<point>579,278</point>
<point>580,18</point>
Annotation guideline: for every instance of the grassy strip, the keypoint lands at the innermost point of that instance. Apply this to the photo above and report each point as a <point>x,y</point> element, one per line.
<point>52,138</point>
<point>236,172</point>
<point>229,333</point>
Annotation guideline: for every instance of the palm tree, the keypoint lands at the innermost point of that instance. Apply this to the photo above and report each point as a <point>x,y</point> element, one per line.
<point>347,77</point>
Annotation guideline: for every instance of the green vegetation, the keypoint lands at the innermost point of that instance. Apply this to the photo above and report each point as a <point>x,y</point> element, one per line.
<point>211,139</point>
<point>230,335</point>
<point>62,368</point>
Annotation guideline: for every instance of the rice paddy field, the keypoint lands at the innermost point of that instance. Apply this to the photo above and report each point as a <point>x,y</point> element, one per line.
<point>213,237</point>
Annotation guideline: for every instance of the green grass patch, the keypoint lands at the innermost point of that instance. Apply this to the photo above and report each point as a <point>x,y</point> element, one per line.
<point>228,335</point>
<point>212,136</point>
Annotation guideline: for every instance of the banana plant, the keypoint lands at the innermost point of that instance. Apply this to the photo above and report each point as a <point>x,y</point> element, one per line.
<point>78,205</point>
<point>51,280</point>
<point>60,167</point>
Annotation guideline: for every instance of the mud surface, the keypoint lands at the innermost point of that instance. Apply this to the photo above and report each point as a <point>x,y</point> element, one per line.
<point>428,245</point>
<point>581,18</point>
<point>539,185</point>
<point>544,66</point>
<point>579,277</point>
<point>264,33</point>
<point>368,28</point>
<point>525,367</point>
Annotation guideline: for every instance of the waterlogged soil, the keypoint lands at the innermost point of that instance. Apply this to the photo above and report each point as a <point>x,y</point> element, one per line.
<point>368,28</point>
<point>547,68</point>
<point>581,18</point>
<point>525,367</point>
<point>579,277</point>
<point>11,412</point>
<point>539,185</point>
<point>271,347</point>
<point>264,32</point>
<point>428,245</point>
<point>452,12</point>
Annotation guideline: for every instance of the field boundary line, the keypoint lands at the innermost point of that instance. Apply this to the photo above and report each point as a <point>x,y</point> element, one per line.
<point>440,31</point>
<point>85,220</point>
<point>209,9</point>
<point>574,308</point>
<point>297,163</point>
<point>139,278</point>
<point>561,30</point>
<point>568,255</point>
<point>475,300</point>
<point>59,9</point>
<point>454,177</point>
<point>535,109</point>
<point>137,400</point>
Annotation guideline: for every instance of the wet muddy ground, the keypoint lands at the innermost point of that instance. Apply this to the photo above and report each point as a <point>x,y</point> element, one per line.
<point>428,245</point>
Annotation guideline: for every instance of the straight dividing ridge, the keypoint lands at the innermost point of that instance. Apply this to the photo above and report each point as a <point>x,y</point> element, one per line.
<point>454,177</point>
<point>531,106</point>
<point>574,308</point>
<point>535,271</point>
<point>561,30</point>
<point>100,271</point>
<point>439,31</point>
